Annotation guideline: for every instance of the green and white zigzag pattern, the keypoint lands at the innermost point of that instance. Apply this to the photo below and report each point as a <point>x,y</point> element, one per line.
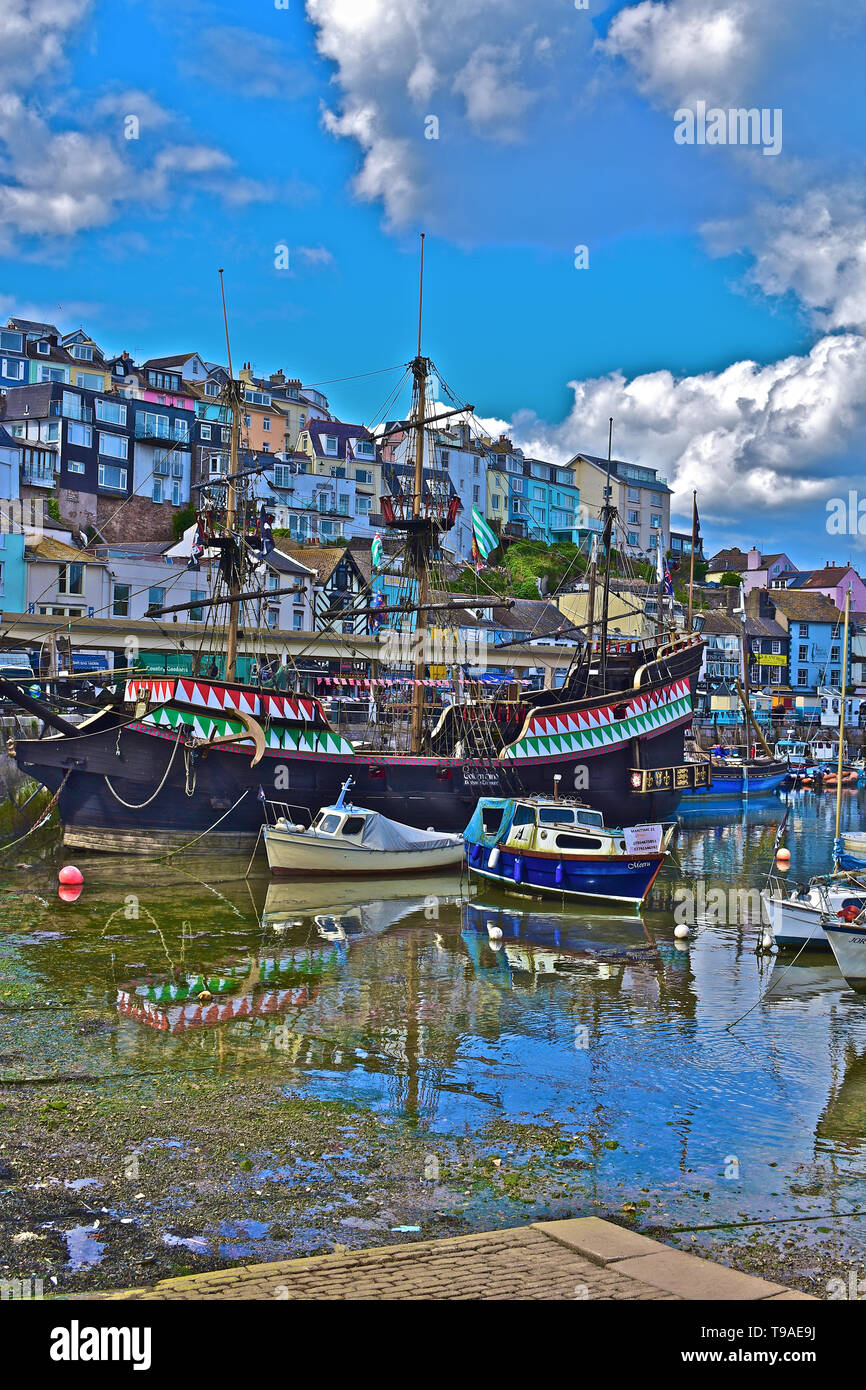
<point>294,740</point>
<point>553,745</point>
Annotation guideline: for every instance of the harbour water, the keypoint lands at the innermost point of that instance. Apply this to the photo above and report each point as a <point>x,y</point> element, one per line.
<point>197,1068</point>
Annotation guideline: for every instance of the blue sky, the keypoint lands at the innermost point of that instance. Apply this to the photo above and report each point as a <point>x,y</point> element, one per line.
<point>720,319</point>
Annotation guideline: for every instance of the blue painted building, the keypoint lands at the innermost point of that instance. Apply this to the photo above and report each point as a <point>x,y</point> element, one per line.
<point>13,582</point>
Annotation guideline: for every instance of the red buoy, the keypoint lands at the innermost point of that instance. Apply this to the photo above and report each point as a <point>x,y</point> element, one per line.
<point>70,875</point>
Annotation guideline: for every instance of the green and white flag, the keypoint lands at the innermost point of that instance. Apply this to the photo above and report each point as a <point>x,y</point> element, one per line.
<point>377,554</point>
<point>486,540</point>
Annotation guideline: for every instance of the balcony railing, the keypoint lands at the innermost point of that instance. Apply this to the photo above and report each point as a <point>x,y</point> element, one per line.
<point>38,475</point>
<point>145,430</point>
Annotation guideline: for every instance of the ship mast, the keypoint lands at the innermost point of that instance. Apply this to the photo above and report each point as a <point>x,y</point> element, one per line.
<point>232,569</point>
<point>609,514</point>
<point>419,373</point>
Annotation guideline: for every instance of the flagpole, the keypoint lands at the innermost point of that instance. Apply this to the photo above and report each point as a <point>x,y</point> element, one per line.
<point>692,562</point>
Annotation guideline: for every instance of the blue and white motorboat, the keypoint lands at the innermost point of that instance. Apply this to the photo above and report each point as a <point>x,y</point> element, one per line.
<point>563,848</point>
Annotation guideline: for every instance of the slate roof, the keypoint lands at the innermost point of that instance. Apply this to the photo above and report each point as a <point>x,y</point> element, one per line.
<point>322,560</point>
<point>47,548</point>
<point>653,484</point>
<point>733,559</point>
<point>828,577</point>
<point>8,441</point>
<point>802,607</point>
<point>31,326</point>
<point>536,616</point>
<point>343,433</point>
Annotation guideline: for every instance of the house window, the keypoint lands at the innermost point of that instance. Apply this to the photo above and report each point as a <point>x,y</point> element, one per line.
<point>834,653</point>
<point>176,494</point>
<point>91,381</point>
<point>330,444</point>
<point>195,614</point>
<point>80,435</point>
<point>298,622</point>
<point>112,478</point>
<point>363,505</point>
<point>120,601</point>
<point>156,492</point>
<point>216,464</point>
<point>655,519</point>
<point>803,654</point>
<point>44,348</point>
<point>476,494</point>
<point>113,446</point>
<point>11,341</point>
<point>70,579</point>
<point>211,388</point>
<point>53,374</point>
<point>248,420</point>
<point>155,598</point>
<point>802,677</point>
<point>804,629</point>
<point>299,597</point>
<point>205,431</point>
<point>495,500</point>
<point>266,423</point>
<point>632,538</point>
<point>227,435</point>
<point>365,448</point>
<point>75,466</point>
<point>364,475</point>
<point>111,412</point>
<point>776,648</point>
<point>150,425</point>
<point>634,518</point>
<point>13,369</point>
<point>266,448</point>
<point>834,675</point>
<point>83,351</point>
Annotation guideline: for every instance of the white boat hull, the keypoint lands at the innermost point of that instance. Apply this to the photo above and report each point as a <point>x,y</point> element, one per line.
<point>794,923</point>
<point>293,852</point>
<point>848,944</point>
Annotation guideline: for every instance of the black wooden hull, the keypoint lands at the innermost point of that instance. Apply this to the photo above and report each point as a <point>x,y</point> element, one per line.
<point>138,788</point>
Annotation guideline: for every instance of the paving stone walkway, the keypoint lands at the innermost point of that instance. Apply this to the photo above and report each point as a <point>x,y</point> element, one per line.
<point>585,1258</point>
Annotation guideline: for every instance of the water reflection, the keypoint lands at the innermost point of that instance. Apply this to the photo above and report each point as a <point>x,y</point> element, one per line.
<point>399,997</point>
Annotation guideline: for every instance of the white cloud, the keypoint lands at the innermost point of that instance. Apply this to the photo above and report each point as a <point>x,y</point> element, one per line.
<point>56,182</point>
<point>814,247</point>
<point>685,49</point>
<point>316,255</point>
<point>747,437</point>
<point>479,64</point>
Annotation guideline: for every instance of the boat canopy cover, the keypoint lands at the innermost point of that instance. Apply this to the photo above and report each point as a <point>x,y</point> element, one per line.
<point>491,820</point>
<point>381,833</point>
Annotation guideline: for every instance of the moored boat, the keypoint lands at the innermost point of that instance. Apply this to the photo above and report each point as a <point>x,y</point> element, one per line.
<point>562,847</point>
<point>353,840</point>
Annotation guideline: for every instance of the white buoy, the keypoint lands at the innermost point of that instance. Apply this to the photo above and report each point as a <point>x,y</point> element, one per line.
<point>494,932</point>
<point>767,941</point>
<point>681,931</point>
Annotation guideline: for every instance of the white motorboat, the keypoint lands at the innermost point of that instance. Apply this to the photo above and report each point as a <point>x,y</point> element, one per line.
<point>796,917</point>
<point>351,840</point>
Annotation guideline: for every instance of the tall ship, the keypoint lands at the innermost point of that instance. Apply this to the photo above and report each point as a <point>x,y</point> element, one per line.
<point>193,759</point>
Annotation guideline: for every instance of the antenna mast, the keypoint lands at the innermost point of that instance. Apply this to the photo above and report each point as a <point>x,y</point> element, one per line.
<point>233,556</point>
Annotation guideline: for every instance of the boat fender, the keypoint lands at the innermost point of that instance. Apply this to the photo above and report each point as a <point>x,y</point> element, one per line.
<point>518,869</point>
<point>493,861</point>
<point>558,875</point>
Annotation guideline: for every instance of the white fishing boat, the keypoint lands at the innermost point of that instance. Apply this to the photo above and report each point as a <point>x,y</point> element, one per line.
<point>352,840</point>
<point>796,917</point>
<point>846,933</point>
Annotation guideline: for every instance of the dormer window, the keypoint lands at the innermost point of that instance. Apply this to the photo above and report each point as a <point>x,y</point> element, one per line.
<point>211,388</point>
<point>330,444</point>
<point>364,449</point>
<point>43,347</point>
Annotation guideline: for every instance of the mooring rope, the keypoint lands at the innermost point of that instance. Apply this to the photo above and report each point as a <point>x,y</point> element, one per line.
<point>42,819</point>
<point>139,805</point>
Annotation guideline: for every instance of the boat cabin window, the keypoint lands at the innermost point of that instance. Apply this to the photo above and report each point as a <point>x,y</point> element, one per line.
<point>491,818</point>
<point>353,825</point>
<point>524,815</point>
<point>328,824</point>
<point>590,818</point>
<point>556,815</point>
<point>579,842</point>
